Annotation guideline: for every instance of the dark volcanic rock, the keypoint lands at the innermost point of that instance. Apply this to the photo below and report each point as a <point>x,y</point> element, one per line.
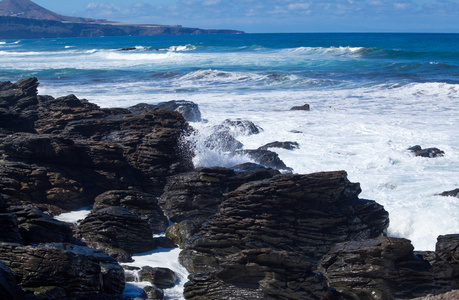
<point>115,228</point>
<point>37,227</point>
<point>197,195</point>
<point>161,277</point>
<point>453,193</point>
<point>265,158</point>
<point>72,272</point>
<point>8,288</point>
<point>260,274</point>
<point>303,107</point>
<point>240,127</point>
<point>189,110</point>
<point>384,268</point>
<point>9,231</point>
<point>283,145</point>
<point>143,204</point>
<point>300,214</point>
<point>447,248</point>
<point>222,141</point>
<point>428,152</point>
<point>64,152</point>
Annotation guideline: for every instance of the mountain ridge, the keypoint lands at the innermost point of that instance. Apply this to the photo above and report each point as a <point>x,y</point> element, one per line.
<point>24,19</point>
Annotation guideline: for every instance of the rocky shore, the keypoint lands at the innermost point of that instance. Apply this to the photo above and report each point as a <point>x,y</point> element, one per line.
<point>253,231</point>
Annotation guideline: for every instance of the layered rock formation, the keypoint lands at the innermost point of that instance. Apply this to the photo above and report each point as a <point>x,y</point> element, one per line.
<point>248,232</point>
<point>62,154</point>
<point>277,230</point>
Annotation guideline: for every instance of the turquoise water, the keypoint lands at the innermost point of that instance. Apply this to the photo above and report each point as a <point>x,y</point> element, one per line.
<point>372,96</point>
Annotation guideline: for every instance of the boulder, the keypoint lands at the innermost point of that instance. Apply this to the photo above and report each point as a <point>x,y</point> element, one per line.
<point>63,271</point>
<point>153,292</point>
<point>382,268</point>
<point>428,152</point>
<point>144,205</point>
<point>118,231</point>
<point>196,196</point>
<point>265,158</point>
<point>453,193</point>
<point>37,227</point>
<point>222,141</point>
<point>161,277</point>
<point>302,107</point>
<point>282,145</point>
<point>239,127</point>
<point>302,216</point>
<point>189,110</point>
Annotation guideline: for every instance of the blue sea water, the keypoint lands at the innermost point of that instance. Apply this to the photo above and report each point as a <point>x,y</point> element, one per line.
<point>372,95</point>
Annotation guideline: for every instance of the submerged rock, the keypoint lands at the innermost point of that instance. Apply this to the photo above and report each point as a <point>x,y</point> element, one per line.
<point>428,152</point>
<point>302,107</point>
<point>283,145</point>
<point>453,193</point>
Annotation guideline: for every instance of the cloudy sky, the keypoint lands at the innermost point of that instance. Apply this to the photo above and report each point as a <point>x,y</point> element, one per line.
<point>275,15</point>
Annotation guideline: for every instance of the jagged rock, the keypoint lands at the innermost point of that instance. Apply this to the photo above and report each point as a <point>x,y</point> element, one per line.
<point>69,271</point>
<point>197,195</point>
<point>265,158</point>
<point>283,145</point>
<point>222,141</point>
<point>453,193</point>
<point>259,274</point>
<point>299,214</point>
<point>113,228</point>
<point>37,227</point>
<point>8,288</point>
<point>143,204</point>
<point>161,277</point>
<point>302,107</point>
<point>383,267</point>
<point>65,151</point>
<point>189,110</point>
<point>153,292</point>
<point>428,152</point>
<point>180,232</point>
<point>239,127</point>
<point>447,248</point>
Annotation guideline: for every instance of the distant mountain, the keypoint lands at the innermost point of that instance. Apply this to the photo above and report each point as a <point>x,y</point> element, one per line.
<point>22,19</point>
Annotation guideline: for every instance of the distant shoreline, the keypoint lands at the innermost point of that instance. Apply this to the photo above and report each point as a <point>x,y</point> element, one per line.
<point>22,28</point>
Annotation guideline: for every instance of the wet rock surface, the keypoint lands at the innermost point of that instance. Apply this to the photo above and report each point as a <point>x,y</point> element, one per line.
<point>302,216</point>
<point>427,152</point>
<point>63,270</point>
<point>248,232</point>
<point>117,231</point>
<point>387,268</point>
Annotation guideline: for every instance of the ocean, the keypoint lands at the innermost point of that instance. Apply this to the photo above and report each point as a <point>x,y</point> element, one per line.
<point>372,96</point>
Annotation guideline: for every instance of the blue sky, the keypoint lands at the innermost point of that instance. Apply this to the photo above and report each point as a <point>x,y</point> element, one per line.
<point>275,15</point>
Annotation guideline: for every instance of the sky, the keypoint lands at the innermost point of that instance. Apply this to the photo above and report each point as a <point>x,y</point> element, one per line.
<point>269,16</point>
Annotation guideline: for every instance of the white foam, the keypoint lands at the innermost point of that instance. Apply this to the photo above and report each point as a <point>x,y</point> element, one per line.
<point>74,216</point>
<point>160,258</point>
